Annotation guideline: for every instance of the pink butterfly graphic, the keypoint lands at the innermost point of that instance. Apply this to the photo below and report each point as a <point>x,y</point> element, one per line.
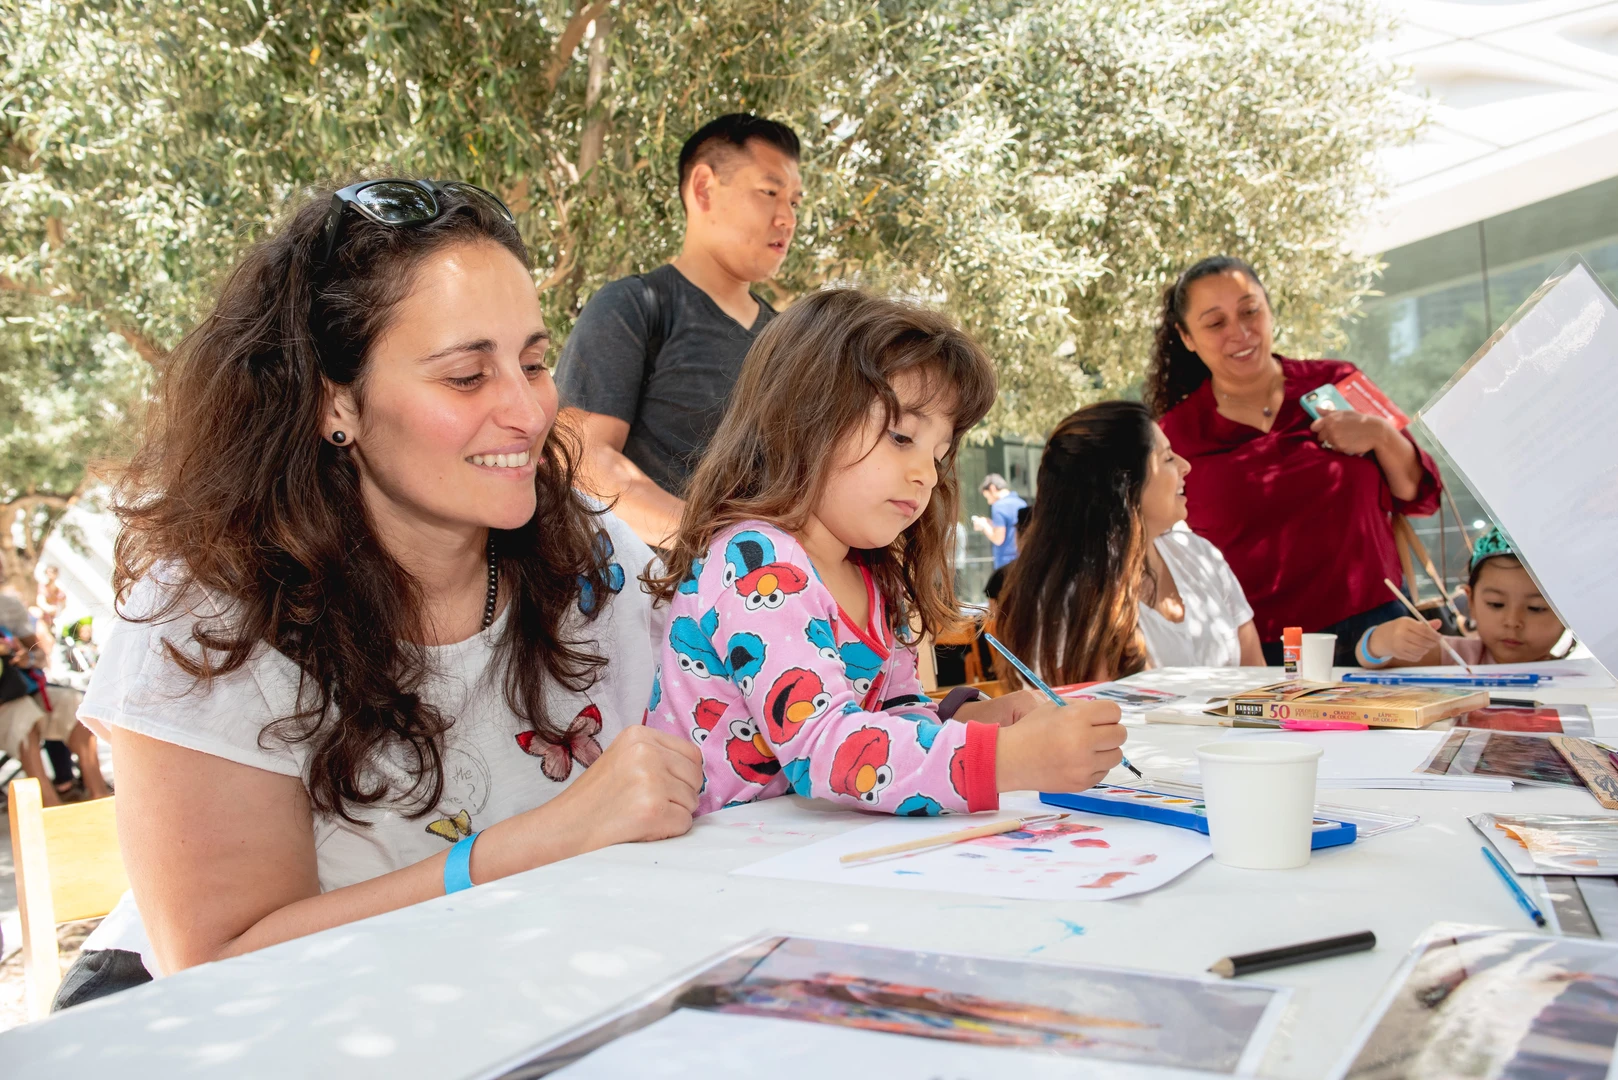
<point>556,759</point>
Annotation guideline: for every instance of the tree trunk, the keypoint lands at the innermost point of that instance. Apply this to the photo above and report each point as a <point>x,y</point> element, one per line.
<point>592,141</point>
<point>22,538</point>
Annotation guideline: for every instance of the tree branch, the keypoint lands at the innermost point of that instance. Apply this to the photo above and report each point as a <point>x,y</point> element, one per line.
<point>572,34</point>
<point>145,347</point>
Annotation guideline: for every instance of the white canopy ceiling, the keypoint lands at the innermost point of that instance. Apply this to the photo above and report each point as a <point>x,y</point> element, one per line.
<point>1525,107</point>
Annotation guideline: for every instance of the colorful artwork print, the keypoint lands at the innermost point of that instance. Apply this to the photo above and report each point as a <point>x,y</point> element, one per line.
<point>1080,857</point>
<point>1090,1014</point>
<point>1122,1016</point>
<point>1491,1004</point>
<point>1528,759</point>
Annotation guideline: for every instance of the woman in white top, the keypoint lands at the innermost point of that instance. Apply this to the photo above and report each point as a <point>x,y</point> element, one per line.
<point>374,646</point>
<point>1104,585</point>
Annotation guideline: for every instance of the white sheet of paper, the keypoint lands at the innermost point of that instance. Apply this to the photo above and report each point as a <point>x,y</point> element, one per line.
<point>1082,857</point>
<point>1581,674</point>
<point>720,1046</point>
<point>1527,422</point>
<point>1374,759</point>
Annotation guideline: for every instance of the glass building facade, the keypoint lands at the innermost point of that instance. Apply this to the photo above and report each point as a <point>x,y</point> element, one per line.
<point>1442,297</point>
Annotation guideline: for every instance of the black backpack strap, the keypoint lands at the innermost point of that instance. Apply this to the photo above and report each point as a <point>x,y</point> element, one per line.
<point>658,305</point>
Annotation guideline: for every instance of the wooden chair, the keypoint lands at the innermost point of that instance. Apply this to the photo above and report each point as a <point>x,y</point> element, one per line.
<point>965,634</point>
<point>68,868</point>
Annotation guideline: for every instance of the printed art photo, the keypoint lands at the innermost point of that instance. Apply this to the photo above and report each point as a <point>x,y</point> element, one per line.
<point>1491,1005</point>
<point>1111,1014</point>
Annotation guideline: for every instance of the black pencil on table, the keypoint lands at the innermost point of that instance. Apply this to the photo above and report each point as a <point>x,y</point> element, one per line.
<point>1232,966</point>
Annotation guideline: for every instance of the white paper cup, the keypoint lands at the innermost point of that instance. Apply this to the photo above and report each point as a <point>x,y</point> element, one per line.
<point>1315,662</point>
<point>1260,795</point>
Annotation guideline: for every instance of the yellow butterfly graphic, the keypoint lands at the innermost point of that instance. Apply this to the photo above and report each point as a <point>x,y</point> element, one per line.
<point>452,828</point>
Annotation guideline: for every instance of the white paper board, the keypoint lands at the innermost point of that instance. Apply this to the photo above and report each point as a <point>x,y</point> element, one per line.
<point>1530,423</point>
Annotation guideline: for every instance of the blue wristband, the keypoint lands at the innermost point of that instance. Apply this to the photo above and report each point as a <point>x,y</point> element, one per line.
<point>458,866</point>
<point>1363,651</point>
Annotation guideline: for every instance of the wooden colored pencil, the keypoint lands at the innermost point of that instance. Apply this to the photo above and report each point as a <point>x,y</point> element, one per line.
<point>994,828</point>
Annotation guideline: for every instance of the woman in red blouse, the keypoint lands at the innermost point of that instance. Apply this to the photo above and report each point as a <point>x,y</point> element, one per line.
<point>1300,508</point>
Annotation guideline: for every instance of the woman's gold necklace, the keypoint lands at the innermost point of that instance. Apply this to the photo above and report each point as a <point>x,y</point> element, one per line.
<point>1267,410</point>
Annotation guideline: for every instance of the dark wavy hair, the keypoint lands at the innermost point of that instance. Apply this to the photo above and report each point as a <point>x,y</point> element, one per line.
<point>1175,371</point>
<point>1070,604</point>
<point>233,491</point>
<point>805,390</point>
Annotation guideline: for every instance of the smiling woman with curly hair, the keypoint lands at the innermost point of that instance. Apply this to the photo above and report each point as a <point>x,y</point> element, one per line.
<point>365,617</point>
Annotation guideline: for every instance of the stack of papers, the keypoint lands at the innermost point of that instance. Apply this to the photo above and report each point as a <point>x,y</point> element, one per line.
<point>1376,759</point>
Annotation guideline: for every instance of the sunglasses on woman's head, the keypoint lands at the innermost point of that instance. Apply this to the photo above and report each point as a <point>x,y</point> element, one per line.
<point>401,202</point>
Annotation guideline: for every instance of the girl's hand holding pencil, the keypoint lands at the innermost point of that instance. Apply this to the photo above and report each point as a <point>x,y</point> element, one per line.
<point>1060,747</point>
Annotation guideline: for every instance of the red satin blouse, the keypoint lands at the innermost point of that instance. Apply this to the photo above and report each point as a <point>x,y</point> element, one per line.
<point>1307,530</point>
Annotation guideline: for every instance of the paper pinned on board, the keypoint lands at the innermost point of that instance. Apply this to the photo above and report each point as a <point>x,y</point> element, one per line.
<point>1082,857</point>
<point>1528,423</point>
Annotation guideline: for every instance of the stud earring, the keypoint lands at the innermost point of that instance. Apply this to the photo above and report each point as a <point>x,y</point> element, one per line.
<point>339,437</point>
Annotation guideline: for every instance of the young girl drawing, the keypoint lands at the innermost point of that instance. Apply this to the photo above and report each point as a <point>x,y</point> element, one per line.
<point>813,547</point>
<point>1515,624</point>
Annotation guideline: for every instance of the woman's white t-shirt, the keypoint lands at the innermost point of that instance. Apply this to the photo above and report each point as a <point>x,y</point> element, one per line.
<point>489,772</point>
<point>1215,607</point>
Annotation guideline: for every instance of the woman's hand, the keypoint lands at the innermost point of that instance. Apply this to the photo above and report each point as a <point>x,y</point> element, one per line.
<point>1353,432</point>
<point>1060,747</point>
<point>643,787</point>
<point>1409,640</point>
<point>1002,711</point>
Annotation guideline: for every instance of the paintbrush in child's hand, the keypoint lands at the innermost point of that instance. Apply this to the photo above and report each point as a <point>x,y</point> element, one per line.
<point>1039,684</point>
<point>1405,600</point>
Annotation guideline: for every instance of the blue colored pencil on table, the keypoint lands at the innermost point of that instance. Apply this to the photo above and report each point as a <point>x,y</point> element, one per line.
<point>1522,899</point>
<point>1038,684</point>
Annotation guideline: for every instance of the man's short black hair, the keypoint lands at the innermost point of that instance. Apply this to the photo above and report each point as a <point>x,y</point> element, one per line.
<point>732,132</point>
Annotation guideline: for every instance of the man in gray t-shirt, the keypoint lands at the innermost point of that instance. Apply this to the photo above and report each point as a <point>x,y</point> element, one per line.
<point>648,368</point>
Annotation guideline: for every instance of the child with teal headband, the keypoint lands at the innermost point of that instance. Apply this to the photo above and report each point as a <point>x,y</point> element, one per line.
<point>1515,623</point>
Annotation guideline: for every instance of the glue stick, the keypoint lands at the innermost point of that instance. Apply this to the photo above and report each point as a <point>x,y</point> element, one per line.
<point>1291,648</point>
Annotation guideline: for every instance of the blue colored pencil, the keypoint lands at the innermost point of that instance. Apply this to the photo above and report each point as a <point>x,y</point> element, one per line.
<point>1038,684</point>
<point>1516,890</point>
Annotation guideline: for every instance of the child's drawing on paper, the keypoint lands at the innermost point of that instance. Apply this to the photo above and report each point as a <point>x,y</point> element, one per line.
<point>1082,857</point>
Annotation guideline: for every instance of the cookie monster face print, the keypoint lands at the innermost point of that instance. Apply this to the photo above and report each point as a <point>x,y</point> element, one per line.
<point>919,806</point>
<point>820,636</point>
<point>693,646</point>
<point>749,755</point>
<point>744,653</point>
<point>693,578</point>
<point>746,552</point>
<point>860,663</point>
<point>795,698</point>
<point>860,766</point>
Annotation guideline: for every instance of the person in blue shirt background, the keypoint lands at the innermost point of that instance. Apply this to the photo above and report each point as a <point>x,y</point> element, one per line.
<point>1001,524</point>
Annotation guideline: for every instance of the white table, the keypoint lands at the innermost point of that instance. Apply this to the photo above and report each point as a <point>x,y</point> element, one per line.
<point>454,986</point>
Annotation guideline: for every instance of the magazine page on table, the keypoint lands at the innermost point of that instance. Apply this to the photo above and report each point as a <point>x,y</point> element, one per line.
<point>1102,1019</point>
<point>1527,423</point>
<point>1482,1002</point>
